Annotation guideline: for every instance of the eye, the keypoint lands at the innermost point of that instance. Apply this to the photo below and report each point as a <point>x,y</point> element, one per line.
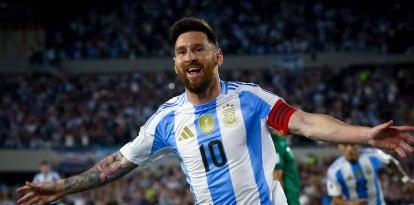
<point>180,52</point>
<point>198,49</point>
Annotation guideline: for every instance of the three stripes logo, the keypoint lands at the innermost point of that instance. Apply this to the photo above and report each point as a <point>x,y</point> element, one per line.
<point>186,134</point>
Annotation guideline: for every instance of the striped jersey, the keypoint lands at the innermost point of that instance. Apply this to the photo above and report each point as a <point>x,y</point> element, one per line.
<point>49,177</point>
<point>224,146</point>
<point>359,180</point>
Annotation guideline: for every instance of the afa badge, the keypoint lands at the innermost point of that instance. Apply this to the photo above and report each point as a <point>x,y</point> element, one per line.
<point>229,116</point>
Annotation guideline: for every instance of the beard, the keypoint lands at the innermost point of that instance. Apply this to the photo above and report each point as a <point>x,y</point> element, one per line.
<point>200,85</point>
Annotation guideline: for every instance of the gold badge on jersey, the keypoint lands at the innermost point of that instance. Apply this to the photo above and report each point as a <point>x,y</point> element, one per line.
<point>206,124</point>
<point>229,116</point>
<point>358,174</point>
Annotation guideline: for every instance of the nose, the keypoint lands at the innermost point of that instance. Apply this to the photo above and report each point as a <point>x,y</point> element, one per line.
<point>190,57</point>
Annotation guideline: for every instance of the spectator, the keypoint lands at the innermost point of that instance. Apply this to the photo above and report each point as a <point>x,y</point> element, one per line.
<point>46,174</point>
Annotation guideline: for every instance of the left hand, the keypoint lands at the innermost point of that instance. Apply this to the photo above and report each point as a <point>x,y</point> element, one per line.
<point>386,136</point>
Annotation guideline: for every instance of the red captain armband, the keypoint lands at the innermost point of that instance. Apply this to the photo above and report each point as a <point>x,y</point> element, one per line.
<point>279,116</point>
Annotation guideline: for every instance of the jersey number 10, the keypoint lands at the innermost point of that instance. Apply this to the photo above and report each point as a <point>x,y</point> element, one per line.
<point>214,156</point>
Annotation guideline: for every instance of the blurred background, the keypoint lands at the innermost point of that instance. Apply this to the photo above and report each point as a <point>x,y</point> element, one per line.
<point>78,79</point>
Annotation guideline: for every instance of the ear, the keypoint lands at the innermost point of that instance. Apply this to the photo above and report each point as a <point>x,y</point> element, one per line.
<point>175,66</point>
<point>219,57</point>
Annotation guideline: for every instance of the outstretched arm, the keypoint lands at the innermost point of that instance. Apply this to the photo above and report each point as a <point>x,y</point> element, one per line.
<point>113,167</point>
<point>395,168</point>
<point>326,128</point>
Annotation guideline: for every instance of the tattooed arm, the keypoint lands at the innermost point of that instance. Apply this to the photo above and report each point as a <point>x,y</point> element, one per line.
<point>109,169</point>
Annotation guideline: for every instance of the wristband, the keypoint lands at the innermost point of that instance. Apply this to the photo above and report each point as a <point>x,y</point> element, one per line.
<point>405,179</point>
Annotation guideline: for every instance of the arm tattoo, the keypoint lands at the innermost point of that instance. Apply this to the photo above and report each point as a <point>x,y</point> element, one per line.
<point>107,170</point>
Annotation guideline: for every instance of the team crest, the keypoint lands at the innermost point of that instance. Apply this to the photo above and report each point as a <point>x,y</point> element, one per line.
<point>206,124</point>
<point>358,174</point>
<point>229,116</point>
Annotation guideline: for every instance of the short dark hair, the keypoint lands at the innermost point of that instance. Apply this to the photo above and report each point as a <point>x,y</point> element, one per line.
<point>44,162</point>
<point>187,24</point>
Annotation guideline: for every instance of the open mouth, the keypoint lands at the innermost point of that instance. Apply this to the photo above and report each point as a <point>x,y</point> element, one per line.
<point>193,71</point>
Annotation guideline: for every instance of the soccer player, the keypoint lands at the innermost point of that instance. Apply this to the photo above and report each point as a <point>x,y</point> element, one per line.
<point>286,170</point>
<point>353,177</point>
<point>46,174</point>
<point>219,131</point>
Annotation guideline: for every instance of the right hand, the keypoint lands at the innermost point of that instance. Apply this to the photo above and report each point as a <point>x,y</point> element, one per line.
<point>40,193</point>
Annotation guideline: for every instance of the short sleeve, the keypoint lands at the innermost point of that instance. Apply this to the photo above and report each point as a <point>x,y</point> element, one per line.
<point>138,150</point>
<point>334,177</point>
<point>383,157</point>
<point>150,142</point>
<point>333,187</point>
<point>377,157</point>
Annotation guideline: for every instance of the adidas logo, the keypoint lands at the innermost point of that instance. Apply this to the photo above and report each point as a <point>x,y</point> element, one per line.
<point>185,134</point>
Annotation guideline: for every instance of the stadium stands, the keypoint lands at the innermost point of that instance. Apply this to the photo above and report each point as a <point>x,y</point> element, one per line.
<point>42,111</point>
<point>129,29</point>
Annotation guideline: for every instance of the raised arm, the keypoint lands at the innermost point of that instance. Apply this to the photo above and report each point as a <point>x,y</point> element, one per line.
<point>111,168</point>
<point>395,168</point>
<point>326,128</point>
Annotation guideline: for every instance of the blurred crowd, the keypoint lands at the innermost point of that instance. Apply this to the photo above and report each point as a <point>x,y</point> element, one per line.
<point>256,27</point>
<point>105,110</point>
<point>167,186</point>
<point>128,29</point>
<point>88,110</point>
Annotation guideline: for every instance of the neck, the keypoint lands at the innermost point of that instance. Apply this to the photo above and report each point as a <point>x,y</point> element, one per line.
<point>212,92</point>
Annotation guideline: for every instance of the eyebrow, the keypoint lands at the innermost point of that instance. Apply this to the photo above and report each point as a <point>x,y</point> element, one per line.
<point>193,45</point>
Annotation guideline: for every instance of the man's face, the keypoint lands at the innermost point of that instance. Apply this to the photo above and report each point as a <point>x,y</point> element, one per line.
<point>44,168</point>
<point>196,61</point>
<point>350,151</point>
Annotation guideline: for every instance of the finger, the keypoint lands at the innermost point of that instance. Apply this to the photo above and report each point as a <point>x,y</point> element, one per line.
<point>32,185</point>
<point>385,125</point>
<point>407,138</point>
<point>404,128</point>
<point>25,198</point>
<point>23,189</point>
<point>34,200</point>
<point>406,147</point>
<point>400,152</point>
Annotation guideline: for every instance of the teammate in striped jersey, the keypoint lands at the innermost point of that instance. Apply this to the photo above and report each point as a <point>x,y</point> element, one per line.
<point>353,177</point>
<point>46,174</point>
<point>219,131</point>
